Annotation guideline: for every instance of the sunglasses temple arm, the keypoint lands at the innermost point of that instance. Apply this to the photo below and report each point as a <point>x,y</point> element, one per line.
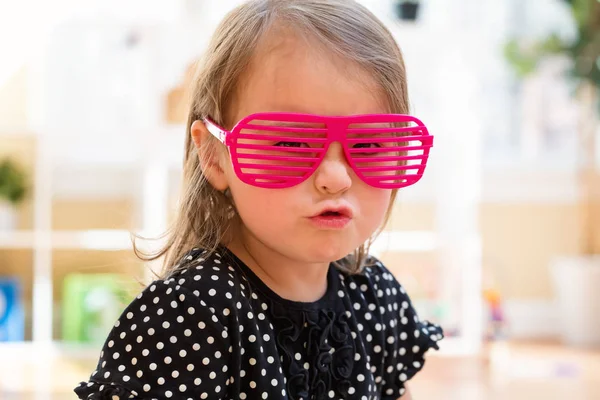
<point>215,130</point>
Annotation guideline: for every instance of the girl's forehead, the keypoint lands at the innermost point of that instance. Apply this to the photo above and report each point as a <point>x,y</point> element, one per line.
<point>292,73</point>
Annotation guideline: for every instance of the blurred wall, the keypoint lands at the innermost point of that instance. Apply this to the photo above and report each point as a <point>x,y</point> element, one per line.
<point>13,100</point>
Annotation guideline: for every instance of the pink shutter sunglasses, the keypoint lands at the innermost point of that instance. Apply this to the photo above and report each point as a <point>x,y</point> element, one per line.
<point>281,150</point>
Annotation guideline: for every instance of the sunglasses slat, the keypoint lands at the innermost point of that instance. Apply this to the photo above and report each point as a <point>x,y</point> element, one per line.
<point>250,146</point>
<point>273,138</point>
<point>386,139</point>
<point>275,177</point>
<point>390,158</point>
<point>277,128</point>
<point>407,178</point>
<point>390,168</point>
<point>388,149</point>
<point>359,131</point>
<point>267,157</point>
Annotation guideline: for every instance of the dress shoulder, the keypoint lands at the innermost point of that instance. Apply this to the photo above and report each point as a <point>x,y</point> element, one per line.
<point>409,337</point>
<point>173,340</point>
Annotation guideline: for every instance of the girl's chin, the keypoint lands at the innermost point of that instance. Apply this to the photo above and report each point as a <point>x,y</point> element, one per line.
<point>325,253</point>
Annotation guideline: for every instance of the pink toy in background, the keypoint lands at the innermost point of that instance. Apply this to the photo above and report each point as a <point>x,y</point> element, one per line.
<point>496,319</point>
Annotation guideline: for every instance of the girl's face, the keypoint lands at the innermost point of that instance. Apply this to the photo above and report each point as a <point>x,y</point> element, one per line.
<point>290,74</point>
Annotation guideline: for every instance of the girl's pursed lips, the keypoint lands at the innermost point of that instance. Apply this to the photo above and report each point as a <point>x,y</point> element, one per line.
<point>341,209</point>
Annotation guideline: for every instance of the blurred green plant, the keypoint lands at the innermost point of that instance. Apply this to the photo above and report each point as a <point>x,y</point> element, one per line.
<point>13,186</point>
<point>584,52</point>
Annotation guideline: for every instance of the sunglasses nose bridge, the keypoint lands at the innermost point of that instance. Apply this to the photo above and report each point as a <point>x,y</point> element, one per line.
<point>336,132</point>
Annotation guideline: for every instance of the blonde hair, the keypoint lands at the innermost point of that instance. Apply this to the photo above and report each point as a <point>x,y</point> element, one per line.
<point>344,27</point>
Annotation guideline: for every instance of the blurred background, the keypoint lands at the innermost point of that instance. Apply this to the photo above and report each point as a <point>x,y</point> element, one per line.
<point>499,243</point>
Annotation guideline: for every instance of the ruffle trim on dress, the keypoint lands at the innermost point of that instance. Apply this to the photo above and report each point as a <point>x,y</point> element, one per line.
<point>329,350</point>
<point>104,391</point>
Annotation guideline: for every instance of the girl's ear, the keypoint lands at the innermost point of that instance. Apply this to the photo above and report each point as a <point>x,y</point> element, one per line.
<point>210,161</point>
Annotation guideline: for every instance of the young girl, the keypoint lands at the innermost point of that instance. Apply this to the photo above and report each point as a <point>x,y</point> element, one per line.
<point>298,140</point>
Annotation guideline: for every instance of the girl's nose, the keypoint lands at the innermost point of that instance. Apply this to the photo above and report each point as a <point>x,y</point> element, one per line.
<point>333,175</point>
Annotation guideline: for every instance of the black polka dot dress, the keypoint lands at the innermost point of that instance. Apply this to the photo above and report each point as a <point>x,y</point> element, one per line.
<point>215,331</point>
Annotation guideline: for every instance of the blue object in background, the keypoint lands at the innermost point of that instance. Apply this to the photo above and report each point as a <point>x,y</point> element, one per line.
<point>12,319</point>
